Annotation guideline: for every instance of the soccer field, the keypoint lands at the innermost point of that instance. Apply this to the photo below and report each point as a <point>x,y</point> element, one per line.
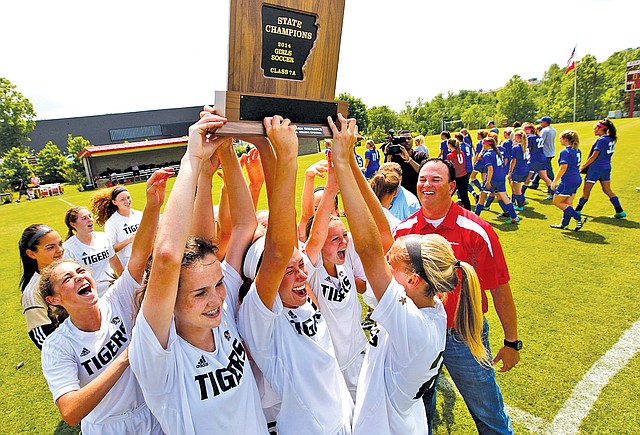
<point>576,294</point>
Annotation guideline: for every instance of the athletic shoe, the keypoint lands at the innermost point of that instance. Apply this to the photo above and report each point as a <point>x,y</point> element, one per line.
<point>580,223</point>
<point>517,208</point>
<point>476,197</point>
<point>548,198</point>
<point>526,201</point>
<point>620,215</point>
<point>514,221</point>
<point>504,214</point>
<point>558,226</point>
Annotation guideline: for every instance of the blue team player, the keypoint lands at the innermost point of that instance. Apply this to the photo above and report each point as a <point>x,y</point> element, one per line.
<point>495,180</point>
<point>598,166</point>
<point>569,179</point>
<point>519,168</point>
<point>505,146</point>
<point>477,165</point>
<point>537,159</point>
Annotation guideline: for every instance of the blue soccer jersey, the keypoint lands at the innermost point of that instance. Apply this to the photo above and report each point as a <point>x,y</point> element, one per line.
<point>493,159</point>
<point>536,149</point>
<point>444,148</point>
<point>373,155</point>
<point>507,146</point>
<point>467,149</point>
<point>570,157</point>
<point>605,146</point>
<point>522,166</point>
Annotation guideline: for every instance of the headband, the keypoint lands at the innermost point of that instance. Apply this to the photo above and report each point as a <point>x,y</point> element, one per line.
<point>117,191</point>
<point>44,229</point>
<point>414,247</point>
<point>253,258</point>
<point>601,125</point>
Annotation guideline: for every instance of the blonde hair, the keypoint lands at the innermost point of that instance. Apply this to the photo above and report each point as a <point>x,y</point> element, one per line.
<point>419,140</point>
<point>571,136</point>
<point>440,267</point>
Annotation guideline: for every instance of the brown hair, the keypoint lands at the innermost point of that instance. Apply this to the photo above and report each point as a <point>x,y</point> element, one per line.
<point>384,183</point>
<point>101,204</point>
<point>71,216</point>
<point>571,136</point>
<point>47,288</point>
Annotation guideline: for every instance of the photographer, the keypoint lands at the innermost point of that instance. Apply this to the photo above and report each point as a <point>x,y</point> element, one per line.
<point>399,149</point>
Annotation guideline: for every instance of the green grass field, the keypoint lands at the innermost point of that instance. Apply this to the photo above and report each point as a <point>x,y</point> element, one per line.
<point>576,294</point>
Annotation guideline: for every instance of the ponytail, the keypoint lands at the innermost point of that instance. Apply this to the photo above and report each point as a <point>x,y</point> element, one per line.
<point>469,318</point>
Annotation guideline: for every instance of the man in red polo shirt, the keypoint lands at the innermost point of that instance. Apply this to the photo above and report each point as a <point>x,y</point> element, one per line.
<point>474,241</point>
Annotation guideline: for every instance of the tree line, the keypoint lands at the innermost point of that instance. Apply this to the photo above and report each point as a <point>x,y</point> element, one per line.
<point>600,89</point>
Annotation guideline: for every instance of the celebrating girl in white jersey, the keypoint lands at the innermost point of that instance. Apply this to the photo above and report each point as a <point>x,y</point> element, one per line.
<point>406,346</point>
<point>86,360</point>
<point>186,352</point>
<point>39,246</point>
<point>112,209</point>
<point>335,275</point>
<point>284,331</point>
<point>90,248</point>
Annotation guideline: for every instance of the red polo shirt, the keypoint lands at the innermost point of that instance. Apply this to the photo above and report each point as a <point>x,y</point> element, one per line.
<point>473,241</point>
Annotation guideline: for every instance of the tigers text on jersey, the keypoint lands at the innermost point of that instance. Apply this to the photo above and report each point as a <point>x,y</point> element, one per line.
<point>95,258</point>
<point>119,228</point>
<point>340,306</point>
<point>192,391</point>
<point>293,349</point>
<point>72,358</point>
<point>402,362</point>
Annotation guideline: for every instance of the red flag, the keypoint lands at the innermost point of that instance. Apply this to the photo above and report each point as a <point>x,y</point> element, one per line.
<point>571,63</point>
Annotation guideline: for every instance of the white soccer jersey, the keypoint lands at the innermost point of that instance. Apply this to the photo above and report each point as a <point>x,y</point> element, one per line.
<point>403,358</point>
<point>33,304</point>
<point>71,358</point>
<point>95,258</point>
<point>119,228</point>
<point>340,306</point>
<point>192,391</point>
<point>293,349</point>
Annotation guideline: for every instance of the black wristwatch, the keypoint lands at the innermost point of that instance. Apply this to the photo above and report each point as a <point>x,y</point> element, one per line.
<point>517,345</point>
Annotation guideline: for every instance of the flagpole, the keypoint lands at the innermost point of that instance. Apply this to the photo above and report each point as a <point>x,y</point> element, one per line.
<point>575,82</point>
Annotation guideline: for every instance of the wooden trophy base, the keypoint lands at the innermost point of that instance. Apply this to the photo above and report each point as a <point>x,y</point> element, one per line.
<point>245,113</point>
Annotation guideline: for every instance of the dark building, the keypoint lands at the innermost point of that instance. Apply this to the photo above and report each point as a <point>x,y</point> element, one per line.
<point>115,127</point>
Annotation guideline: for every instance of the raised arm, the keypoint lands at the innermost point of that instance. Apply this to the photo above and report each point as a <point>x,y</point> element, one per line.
<point>240,207</point>
<point>320,226</point>
<point>317,169</point>
<point>203,223</point>
<point>374,206</point>
<point>363,228</point>
<point>146,234</point>
<point>280,170</point>
<point>175,228</point>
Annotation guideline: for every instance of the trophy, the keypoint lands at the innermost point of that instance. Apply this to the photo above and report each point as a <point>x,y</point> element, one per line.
<point>283,59</point>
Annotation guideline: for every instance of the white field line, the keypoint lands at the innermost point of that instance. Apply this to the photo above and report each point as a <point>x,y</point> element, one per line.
<point>586,392</point>
<point>66,202</point>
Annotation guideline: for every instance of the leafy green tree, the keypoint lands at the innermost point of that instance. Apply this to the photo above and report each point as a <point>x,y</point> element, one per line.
<point>14,164</point>
<point>515,101</point>
<point>75,144</point>
<point>382,117</point>
<point>357,110</point>
<point>17,117</point>
<point>51,163</point>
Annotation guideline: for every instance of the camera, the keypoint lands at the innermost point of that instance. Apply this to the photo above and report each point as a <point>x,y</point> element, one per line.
<point>394,145</point>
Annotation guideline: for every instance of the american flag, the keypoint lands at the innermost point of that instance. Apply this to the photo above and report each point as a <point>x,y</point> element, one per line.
<point>571,63</point>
